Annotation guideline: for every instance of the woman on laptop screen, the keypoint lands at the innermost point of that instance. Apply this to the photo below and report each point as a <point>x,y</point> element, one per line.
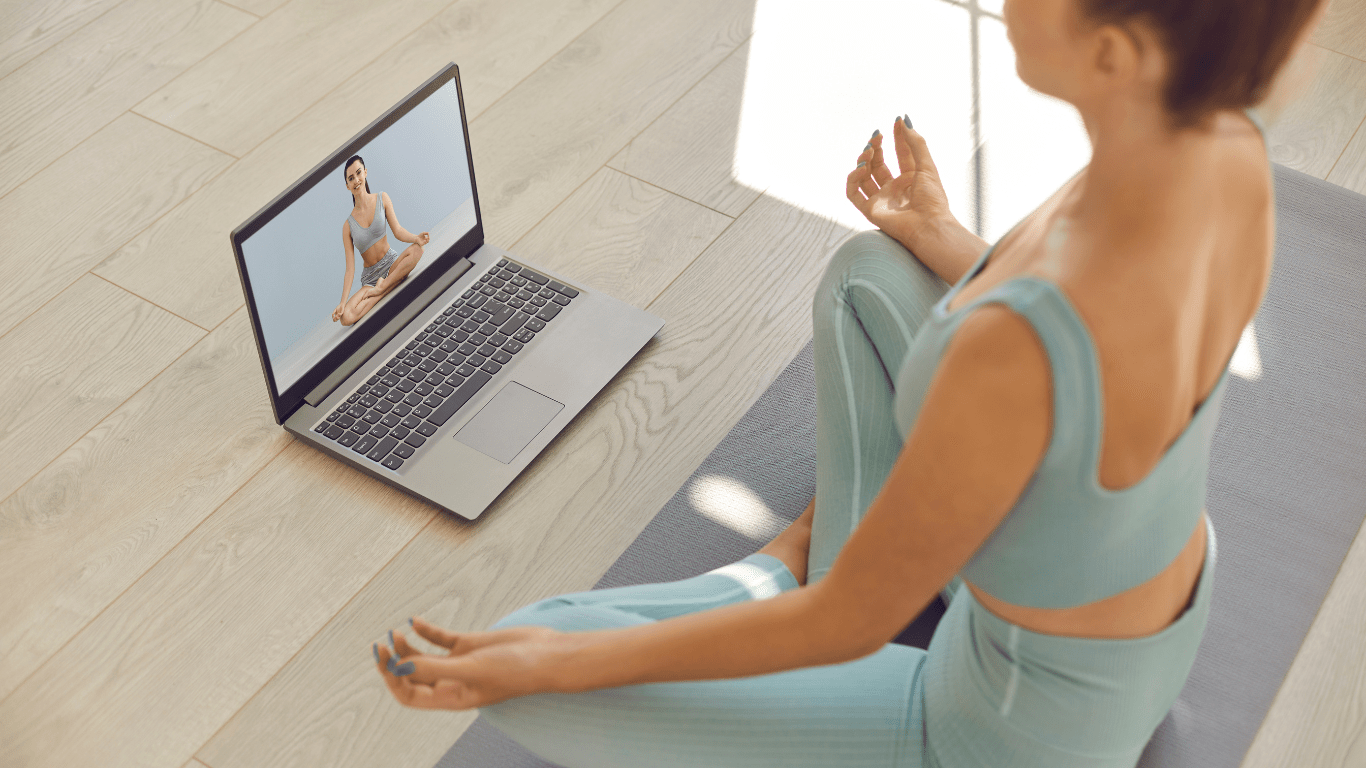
<point>384,267</point>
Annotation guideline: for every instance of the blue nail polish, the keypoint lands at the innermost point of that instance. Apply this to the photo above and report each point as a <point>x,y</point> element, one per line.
<point>907,120</point>
<point>867,147</point>
<point>876,134</point>
<point>375,648</point>
<point>860,165</point>
<point>410,623</point>
<point>391,641</point>
<point>403,669</point>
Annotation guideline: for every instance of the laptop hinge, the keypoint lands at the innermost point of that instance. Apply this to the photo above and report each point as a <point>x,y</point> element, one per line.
<point>390,330</point>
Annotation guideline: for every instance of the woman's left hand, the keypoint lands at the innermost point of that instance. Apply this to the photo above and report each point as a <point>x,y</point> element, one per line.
<point>482,668</point>
<point>424,238</point>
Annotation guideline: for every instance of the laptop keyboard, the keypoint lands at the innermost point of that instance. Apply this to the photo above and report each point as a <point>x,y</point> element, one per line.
<point>387,418</point>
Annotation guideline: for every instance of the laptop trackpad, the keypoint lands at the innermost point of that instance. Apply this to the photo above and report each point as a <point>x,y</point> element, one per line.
<point>509,421</point>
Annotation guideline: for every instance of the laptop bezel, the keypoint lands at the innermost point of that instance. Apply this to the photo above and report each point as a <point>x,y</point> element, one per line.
<point>284,404</point>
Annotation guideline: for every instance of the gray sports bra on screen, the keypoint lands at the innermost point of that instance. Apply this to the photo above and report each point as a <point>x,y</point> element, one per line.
<point>364,237</point>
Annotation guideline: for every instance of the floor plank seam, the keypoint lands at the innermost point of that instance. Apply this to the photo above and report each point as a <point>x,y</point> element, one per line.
<point>688,266</point>
<point>244,10</point>
<point>1343,153</point>
<point>684,95</point>
<point>37,668</point>
<point>133,110</point>
<point>541,66</point>
<point>618,150</point>
<point>435,514</point>
<point>329,91</point>
<point>149,301</point>
<point>129,110</point>
<point>675,194</point>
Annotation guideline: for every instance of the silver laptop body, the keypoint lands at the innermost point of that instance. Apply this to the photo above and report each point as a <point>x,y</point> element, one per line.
<point>425,391</point>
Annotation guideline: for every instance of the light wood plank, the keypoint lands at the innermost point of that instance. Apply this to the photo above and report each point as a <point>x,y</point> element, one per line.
<point>1343,28</point>
<point>195,764</point>
<point>68,365</point>
<point>258,7</point>
<point>549,134</point>
<point>81,208</point>
<point>622,236</point>
<point>92,522</point>
<point>243,92</point>
<point>1350,171</point>
<point>1312,132</point>
<point>183,261</point>
<point>689,149</point>
<point>79,85</point>
<point>31,28</point>
<point>744,305</point>
<point>1318,717</point>
<point>156,674</point>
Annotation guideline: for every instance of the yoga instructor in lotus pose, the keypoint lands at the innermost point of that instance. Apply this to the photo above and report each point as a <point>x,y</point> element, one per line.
<point>1024,427</point>
<point>384,267</point>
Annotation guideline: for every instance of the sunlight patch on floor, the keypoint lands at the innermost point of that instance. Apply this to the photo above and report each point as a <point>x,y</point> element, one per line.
<point>1247,361</point>
<point>822,76</point>
<point>731,503</point>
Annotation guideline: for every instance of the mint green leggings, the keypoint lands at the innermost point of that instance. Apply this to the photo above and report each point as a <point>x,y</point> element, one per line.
<point>987,693</point>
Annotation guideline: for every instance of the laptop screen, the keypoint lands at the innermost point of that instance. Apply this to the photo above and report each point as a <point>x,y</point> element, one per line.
<point>306,273</point>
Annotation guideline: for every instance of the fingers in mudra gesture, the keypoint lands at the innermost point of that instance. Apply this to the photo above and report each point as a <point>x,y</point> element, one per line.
<point>478,668</point>
<point>904,205</point>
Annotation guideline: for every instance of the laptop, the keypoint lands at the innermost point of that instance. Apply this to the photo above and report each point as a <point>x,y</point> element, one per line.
<point>445,366</point>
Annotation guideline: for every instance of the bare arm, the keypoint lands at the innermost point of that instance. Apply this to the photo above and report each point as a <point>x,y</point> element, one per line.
<point>402,234</point>
<point>350,271</point>
<point>982,432</point>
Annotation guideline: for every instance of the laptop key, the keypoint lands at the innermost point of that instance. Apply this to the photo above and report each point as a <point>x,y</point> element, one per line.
<point>444,390</point>
<point>413,399</point>
<point>403,451</point>
<point>424,389</point>
<point>401,369</point>
<point>464,312</point>
<point>364,444</point>
<point>383,406</point>
<point>382,450</point>
<point>525,335</point>
<point>390,420</point>
<point>462,395</point>
<point>548,312</point>
<point>348,438</point>
<point>561,300</point>
<point>334,432</point>
<point>556,286</point>
<point>512,347</point>
<point>333,416</point>
<point>392,462</point>
<point>469,326</point>
<point>322,427</point>
<point>422,411</point>
<point>403,409</point>
<point>405,386</point>
<point>426,429</point>
<point>477,361</point>
<point>476,300</point>
<point>444,331</point>
<point>371,417</point>
<point>411,421</point>
<point>395,395</point>
<point>501,357</point>
<point>435,377</point>
<point>399,433</point>
<point>355,411</point>
<point>488,329</point>
<point>433,400</point>
<point>491,367</point>
<point>514,323</point>
<point>460,336</point>
<point>512,267</point>
<point>481,317</point>
<point>446,368</point>
<point>346,420</point>
<point>498,339</point>
<point>415,440</point>
<point>369,401</point>
<point>535,278</point>
<point>379,430</point>
<point>486,289</point>
<point>427,366</point>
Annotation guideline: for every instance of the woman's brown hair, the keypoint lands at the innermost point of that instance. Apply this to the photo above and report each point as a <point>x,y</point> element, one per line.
<point>1223,54</point>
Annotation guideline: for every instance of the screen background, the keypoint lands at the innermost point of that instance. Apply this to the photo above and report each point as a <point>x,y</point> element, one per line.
<point>295,262</point>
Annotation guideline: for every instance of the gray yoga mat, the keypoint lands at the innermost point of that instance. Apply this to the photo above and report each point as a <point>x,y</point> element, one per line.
<point>1286,494</point>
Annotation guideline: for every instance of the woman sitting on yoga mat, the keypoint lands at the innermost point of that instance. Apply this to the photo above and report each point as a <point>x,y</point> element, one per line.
<point>384,267</point>
<point>1033,440</point>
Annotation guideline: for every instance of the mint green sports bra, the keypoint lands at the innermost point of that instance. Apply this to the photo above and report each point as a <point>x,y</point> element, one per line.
<point>1068,541</point>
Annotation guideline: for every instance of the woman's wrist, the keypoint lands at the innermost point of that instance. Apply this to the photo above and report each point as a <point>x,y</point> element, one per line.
<point>947,247</point>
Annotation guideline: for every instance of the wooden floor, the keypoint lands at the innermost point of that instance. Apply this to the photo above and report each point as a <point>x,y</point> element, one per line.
<point>184,585</point>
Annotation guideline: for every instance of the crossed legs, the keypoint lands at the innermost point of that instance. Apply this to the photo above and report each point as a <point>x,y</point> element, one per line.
<point>867,712</point>
<point>367,297</point>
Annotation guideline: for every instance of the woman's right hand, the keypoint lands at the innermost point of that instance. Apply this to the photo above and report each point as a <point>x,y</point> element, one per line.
<point>908,207</point>
<point>337,313</point>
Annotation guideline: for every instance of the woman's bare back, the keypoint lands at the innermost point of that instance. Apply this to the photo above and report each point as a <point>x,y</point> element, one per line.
<point>1165,318</point>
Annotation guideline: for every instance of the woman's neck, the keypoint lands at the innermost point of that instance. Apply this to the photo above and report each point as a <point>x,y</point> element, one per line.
<point>1140,171</point>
